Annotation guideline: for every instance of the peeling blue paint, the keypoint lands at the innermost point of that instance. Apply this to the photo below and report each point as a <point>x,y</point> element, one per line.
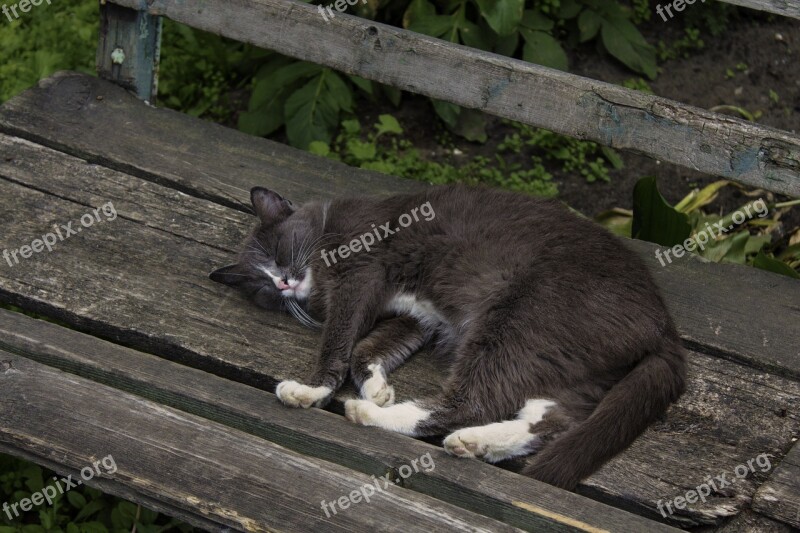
<point>744,161</point>
<point>498,88</point>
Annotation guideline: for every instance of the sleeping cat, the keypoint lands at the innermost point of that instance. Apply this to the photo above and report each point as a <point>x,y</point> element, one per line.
<point>557,339</point>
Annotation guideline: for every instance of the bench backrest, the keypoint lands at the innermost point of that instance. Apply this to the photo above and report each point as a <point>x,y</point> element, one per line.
<point>622,118</point>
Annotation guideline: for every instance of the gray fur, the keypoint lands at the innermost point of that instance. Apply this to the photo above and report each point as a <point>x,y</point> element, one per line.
<point>537,302</point>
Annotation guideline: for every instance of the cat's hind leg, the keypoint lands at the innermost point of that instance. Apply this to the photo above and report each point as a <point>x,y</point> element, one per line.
<point>385,348</point>
<point>536,423</point>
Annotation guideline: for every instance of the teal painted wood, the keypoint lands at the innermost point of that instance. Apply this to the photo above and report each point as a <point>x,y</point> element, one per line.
<point>129,49</point>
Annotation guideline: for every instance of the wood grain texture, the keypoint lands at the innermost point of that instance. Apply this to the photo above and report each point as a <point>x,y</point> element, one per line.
<point>779,497</point>
<point>128,49</point>
<point>89,118</point>
<point>565,103</point>
<point>141,280</point>
<point>472,485</point>
<point>787,8</point>
<point>92,118</point>
<point>199,467</point>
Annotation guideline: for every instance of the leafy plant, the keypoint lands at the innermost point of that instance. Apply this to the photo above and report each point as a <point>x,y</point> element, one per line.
<point>585,158</point>
<point>747,238</point>
<point>383,150</point>
<point>79,510</point>
<point>37,45</point>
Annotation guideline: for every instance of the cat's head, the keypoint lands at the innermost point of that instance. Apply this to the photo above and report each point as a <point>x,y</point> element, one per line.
<point>274,267</point>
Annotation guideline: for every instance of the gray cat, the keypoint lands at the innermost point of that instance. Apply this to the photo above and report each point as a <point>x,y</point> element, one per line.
<point>557,339</point>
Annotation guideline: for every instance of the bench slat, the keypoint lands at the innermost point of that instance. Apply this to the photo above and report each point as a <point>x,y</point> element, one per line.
<point>787,8</point>
<point>779,497</point>
<point>140,280</point>
<point>478,487</point>
<point>198,467</point>
<point>565,103</point>
<point>90,118</point>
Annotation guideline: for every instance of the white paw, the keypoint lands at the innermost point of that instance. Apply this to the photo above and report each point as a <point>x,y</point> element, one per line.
<point>296,394</point>
<point>493,442</point>
<point>363,412</point>
<point>376,390</point>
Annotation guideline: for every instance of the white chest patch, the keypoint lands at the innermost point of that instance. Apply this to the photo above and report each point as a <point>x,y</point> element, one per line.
<point>423,310</point>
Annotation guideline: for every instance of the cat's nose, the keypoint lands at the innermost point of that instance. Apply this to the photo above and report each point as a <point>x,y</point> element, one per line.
<point>282,285</point>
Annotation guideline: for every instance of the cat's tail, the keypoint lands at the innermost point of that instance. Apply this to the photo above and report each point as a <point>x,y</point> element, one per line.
<point>626,410</point>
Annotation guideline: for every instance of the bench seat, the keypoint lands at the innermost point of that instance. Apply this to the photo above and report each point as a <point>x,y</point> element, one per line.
<point>180,187</point>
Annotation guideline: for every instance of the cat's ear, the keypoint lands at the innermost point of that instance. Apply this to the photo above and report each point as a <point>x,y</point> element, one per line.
<point>229,275</point>
<point>270,206</point>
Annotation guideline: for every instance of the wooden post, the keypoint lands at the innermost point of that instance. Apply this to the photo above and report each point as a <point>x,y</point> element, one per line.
<point>129,47</point>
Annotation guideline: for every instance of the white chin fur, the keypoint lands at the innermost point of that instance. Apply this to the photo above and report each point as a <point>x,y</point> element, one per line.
<point>302,291</point>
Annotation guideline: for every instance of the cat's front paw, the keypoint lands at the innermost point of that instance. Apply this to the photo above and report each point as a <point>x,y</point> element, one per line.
<point>376,390</point>
<point>493,442</point>
<point>465,443</point>
<point>363,412</point>
<point>296,394</point>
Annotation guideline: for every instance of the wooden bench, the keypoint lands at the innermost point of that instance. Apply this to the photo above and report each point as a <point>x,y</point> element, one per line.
<point>172,374</point>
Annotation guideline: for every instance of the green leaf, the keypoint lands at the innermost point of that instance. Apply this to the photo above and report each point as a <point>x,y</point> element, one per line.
<point>534,19</point>
<point>270,84</point>
<point>76,499</point>
<point>262,122</point>
<point>447,112</point>
<point>33,528</point>
<point>755,243</point>
<point>319,148</point>
<point>474,35</point>
<point>8,529</point>
<point>507,45</point>
<point>388,124</point>
<point>93,527</point>
<point>616,220</point>
<point>89,509</point>
<point>361,150</point>
<point>589,24</point>
<point>569,9</point>
<point>351,126</point>
<point>361,83</point>
<point>312,112</point>
<point>392,93</point>
<point>543,49</point>
<point>33,478</point>
<point>471,125</point>
<point>613,157</point>
<point>623,41</point>
<point>421,17</point>
<point>503,16</point>
<point>764,262</point>
<point>654,219</point>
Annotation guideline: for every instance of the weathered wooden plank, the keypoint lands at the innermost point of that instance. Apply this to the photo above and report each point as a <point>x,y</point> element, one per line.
<point>779,497</point>
<point>562,102</point>
<point>128,49</point>
<point>478,487</point>
<point>787,8</point>
<point>89,118</point>
<point>199,467</point>
<point>141,280</point>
